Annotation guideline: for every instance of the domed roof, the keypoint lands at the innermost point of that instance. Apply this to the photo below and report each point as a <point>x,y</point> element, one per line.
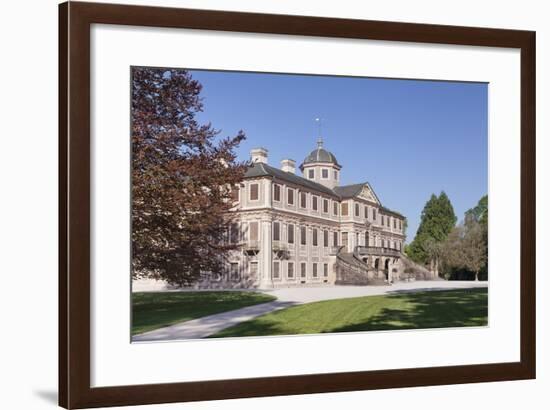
<point>320,155</point>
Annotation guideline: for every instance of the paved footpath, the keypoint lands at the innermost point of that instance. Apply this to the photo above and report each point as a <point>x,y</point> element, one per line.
<point>286,297</point>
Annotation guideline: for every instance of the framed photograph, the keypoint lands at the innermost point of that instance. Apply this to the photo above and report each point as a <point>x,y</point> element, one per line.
<point>258,205</point>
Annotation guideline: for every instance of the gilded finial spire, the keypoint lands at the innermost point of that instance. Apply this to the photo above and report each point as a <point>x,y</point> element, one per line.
<point>319,142</point>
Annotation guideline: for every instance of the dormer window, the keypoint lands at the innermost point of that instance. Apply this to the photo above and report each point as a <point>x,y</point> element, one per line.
<point>311,174</point>
<point>324,173</point>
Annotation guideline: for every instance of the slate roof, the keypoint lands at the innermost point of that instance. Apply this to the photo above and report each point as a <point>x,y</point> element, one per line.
<point>349,191</point>
<point>390,211</point>
<point>320,155</point>
<point>260,169</point>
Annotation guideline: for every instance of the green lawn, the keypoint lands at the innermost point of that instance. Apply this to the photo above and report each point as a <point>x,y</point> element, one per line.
<point>433,309</point>
<point>153,310</point>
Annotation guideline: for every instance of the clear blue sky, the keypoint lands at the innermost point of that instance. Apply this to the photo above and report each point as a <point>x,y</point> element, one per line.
<point>408,138</point>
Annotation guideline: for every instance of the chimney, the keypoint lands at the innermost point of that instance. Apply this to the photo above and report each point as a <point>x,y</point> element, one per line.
<point>258,155</point>
<point>288,165</point>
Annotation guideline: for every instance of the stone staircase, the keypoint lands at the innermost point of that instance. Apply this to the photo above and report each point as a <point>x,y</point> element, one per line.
<point>416,271</point>
<point>353,271</point>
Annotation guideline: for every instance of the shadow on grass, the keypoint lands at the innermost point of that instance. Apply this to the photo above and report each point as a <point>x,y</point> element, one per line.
<point>434,309</point>
<point>427,310</point>
<point>397,311</point>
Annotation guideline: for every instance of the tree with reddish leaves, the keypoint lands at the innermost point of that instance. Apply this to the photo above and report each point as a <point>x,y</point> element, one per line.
<point>183,180</point>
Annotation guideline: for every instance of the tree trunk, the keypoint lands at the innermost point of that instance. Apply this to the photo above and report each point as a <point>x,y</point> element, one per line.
<point>477,276</point>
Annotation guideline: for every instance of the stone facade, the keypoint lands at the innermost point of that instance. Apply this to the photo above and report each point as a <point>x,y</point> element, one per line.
<point>308,230</point>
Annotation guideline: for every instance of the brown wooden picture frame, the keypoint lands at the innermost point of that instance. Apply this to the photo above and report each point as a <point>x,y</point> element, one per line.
<point>75,20</point>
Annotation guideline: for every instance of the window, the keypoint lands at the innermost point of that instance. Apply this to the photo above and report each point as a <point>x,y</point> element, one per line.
<point>325,206</point>
<point>315,243</point>
<point>314,200</point>
<point>253,228</point>
<point>366,212</point>
<point>324,173</point>
<point>290,196</point>
<point>366,239</point>
<point>325,270</point>
<point>400,225</point>
<point>244,232</point>
<point>335,208</point>
<point>382,220</point>
<point>335,175</point>
<point>311,174</point>
<point>356,209</point>
<point>277,192</point>
<point>276,231</point>
<point>254,194</point>
<point>325,238</point>
<point>373,214</point>
<point>303,200</point>
<point>290,233</point>
<point>345,209</point>
<point>303,270</point>
<point>335,239</point>
<point>235,194</point>
<point>253,268</point>
<point>394,223</point>
<point>314,272</point>
<point>345,239</point>
<point>303,240</point>
<point>388,221</point>
<point>234,233</point>
<point>290,270</point>
<point>276,270</point>
<point>234,271</point>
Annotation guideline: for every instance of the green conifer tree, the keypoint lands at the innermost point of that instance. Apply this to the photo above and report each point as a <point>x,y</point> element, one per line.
<point>436,222</point>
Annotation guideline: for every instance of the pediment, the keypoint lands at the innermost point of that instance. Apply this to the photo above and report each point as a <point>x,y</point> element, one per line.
<point>368,194</point>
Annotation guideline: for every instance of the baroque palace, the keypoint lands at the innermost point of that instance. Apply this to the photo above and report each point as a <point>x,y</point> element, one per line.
<point>308,230</point>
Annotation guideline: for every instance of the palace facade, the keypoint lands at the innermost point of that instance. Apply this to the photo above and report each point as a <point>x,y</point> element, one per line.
<point>303,230</point>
